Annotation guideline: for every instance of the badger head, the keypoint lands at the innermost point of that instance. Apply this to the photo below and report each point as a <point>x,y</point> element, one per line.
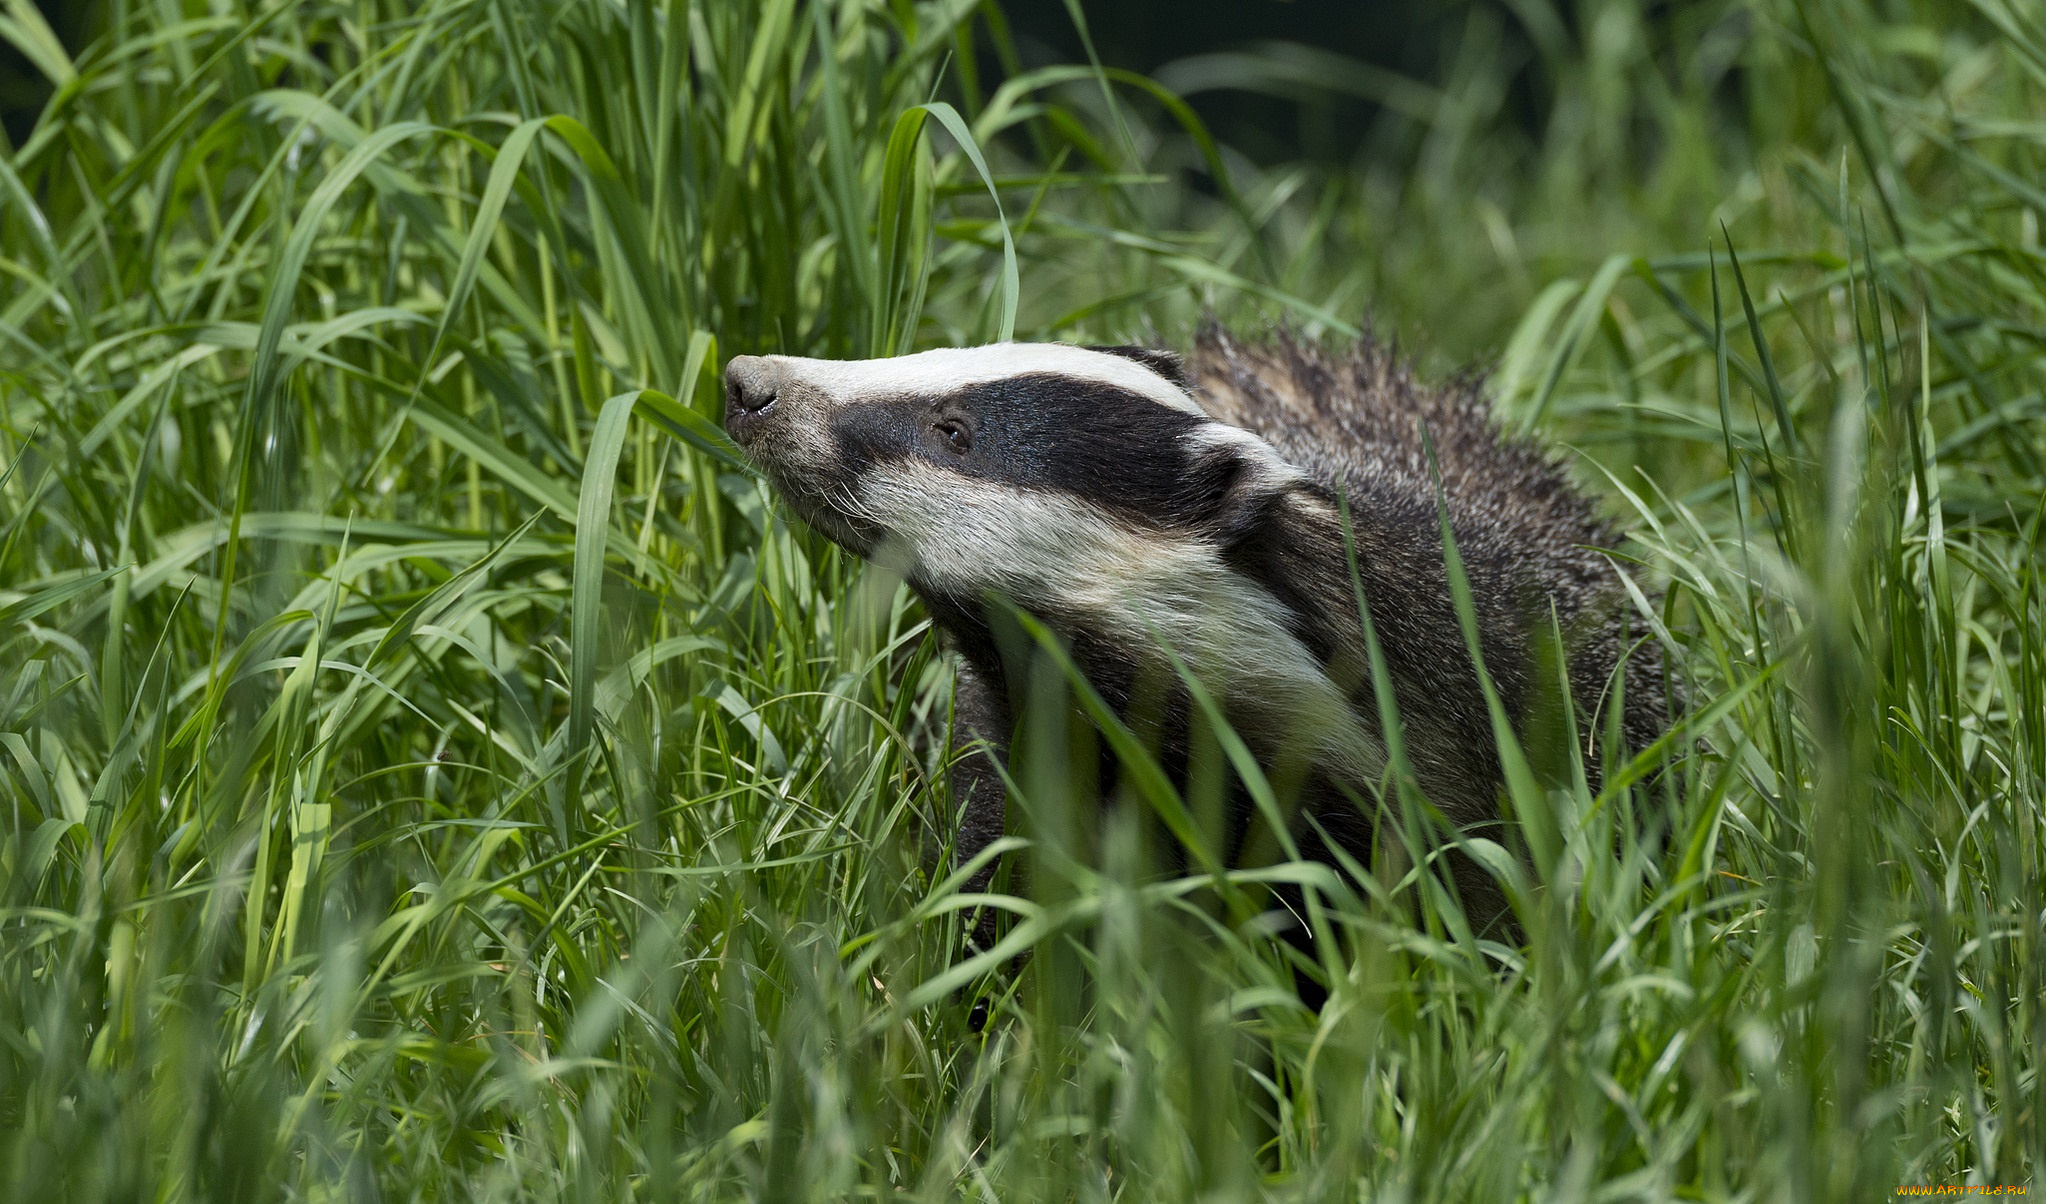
<point>1044,472</point>
<point>1085,485</point>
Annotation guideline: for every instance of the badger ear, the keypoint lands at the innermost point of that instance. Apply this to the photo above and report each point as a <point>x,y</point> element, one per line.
<point>1241,480</point>
<point>1164,363</point>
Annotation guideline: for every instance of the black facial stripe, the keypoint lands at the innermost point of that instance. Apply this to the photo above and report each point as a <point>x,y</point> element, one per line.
<point>1114,447</point>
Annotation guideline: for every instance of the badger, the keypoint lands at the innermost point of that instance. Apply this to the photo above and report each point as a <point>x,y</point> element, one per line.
<point>1228,517</point>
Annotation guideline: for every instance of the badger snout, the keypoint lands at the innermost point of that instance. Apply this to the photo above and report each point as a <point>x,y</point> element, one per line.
<point>780,417</point>
<point>752,386</point>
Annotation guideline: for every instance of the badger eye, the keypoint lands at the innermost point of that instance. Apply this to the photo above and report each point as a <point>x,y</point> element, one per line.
<point>955,434</point>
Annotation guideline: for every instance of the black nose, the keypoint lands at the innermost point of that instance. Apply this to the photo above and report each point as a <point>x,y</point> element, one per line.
<point>750,388</point>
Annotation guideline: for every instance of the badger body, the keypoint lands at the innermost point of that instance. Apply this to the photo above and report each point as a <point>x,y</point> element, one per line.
<point>1165,517</point>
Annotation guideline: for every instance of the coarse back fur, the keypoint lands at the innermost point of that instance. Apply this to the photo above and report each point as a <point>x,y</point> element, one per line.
<point>1359,422</point>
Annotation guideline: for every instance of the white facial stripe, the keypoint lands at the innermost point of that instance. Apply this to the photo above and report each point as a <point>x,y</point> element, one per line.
<point>968,534</point>
<point>946,370</point>
<point>965,535</point>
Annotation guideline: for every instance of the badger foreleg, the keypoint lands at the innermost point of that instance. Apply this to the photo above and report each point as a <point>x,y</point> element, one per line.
<point>980,733</point>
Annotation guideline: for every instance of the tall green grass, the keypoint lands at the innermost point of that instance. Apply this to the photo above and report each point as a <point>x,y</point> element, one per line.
<point>433,768</point>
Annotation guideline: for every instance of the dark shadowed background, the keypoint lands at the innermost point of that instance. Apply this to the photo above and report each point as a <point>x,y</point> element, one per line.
<point>1278,80</point>
<point>23,90</point>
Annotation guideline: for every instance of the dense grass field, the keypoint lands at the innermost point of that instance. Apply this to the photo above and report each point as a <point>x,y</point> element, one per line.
<point>432,768</point>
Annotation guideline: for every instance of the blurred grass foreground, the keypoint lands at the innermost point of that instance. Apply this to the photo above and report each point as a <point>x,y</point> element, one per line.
<point>430,769</point>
